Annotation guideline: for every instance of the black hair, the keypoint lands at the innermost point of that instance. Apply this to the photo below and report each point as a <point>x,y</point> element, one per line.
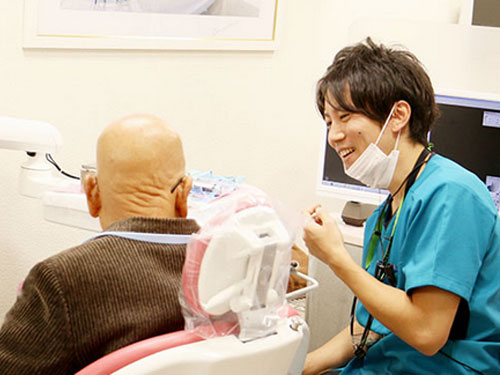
<point>368,78</point>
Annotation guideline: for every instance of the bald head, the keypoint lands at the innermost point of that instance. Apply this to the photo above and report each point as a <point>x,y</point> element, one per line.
<point>139,160</point>
<point>139,149</point>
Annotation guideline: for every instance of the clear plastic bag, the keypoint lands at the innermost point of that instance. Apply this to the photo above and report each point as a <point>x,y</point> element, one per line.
<point>237,267</point>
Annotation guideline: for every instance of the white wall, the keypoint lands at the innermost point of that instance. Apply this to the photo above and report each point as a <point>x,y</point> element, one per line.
<point>239,113</point>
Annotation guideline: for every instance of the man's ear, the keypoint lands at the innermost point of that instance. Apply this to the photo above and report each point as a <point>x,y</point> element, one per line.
<point>400,116</point>
<point>181,198</point>
<point>93,196</point>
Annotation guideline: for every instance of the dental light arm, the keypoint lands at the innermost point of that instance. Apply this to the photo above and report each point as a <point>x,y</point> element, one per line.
<point>37,139</point>
<point>28,135</point>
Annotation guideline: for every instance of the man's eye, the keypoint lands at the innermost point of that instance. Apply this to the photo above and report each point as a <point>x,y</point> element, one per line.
<point>344,116</point>
<point>328,125</point>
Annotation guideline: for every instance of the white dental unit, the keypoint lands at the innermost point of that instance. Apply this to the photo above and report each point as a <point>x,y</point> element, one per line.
<point>62,197</point>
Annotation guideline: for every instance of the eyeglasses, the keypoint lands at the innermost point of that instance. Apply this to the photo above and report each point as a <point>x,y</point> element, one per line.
<point>176,184</point>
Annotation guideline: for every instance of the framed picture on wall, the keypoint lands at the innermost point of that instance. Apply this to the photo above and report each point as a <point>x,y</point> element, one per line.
<point>486,13</point>
<point>151,24</point>
<point>481,12</point>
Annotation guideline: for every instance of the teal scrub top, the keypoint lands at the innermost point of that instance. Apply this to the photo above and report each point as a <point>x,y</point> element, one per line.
<point>448,236</point>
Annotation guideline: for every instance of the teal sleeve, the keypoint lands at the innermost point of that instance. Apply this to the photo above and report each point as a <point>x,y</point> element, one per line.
<point>445,241</point>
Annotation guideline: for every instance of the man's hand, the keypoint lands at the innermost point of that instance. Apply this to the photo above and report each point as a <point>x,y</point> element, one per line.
<point>323,237</point>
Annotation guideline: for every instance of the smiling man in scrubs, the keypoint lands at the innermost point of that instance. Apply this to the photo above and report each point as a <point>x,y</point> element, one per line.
<point>428,288</point>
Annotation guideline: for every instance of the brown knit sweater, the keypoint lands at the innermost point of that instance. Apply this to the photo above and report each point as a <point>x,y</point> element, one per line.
<point>94,298</point>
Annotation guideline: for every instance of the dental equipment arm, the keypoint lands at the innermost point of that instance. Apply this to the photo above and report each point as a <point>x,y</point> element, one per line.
<point>311,282</point>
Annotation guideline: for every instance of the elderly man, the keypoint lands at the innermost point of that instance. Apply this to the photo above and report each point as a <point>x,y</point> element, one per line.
<point>120,286</point>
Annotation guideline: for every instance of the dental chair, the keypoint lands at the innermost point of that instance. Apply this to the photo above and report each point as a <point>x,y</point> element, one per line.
<point>233,300</point>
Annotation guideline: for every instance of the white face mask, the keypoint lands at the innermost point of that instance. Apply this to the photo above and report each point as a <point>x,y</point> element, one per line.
<point>373,167</point>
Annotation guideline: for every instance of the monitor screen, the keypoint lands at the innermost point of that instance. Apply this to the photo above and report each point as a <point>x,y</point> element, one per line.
<point>468,132</point>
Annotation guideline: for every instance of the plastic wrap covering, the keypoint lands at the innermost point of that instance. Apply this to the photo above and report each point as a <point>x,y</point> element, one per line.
<point>237,267</point>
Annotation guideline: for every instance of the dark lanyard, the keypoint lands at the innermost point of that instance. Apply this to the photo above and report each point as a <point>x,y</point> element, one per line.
<point>384,270</point>
<point>375,238</point>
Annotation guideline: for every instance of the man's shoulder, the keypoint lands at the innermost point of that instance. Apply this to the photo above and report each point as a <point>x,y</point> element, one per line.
<point>94,248</point>
<point>445,185</point>
<point>75,254</point>
<point>449,170</point>
<point>446,175</point>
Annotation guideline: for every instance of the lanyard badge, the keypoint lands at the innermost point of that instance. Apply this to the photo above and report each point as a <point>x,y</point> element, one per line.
<point>386,271</point>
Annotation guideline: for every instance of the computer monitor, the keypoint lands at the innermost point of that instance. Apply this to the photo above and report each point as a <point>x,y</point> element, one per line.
<point>468,132</point>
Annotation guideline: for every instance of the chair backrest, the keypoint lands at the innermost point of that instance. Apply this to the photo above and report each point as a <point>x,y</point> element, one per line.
<point>234,282</point>
<point>184,353</point>
<point>129,354</point>
<point>282,353</point>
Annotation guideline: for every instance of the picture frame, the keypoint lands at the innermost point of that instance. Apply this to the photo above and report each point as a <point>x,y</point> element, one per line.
<point>151,24</point>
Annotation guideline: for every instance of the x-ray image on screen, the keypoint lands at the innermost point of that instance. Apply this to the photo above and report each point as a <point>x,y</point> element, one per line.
<point>493,185</point>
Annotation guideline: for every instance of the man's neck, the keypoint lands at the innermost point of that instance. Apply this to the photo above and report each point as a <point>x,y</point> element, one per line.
<point>109,217</point>
<point>407,158</point>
